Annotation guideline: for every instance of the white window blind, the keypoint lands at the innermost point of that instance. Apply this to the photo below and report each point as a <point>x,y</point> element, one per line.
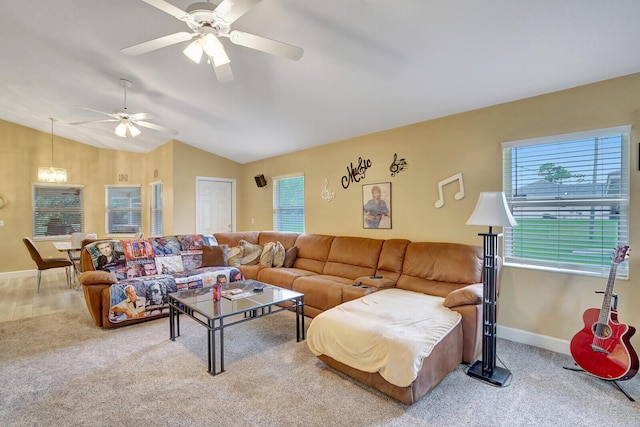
<point>58,210</point>
<point>570,197</point>
<point>288,203</point>
<point>122,210</point>
<point>156,209</point>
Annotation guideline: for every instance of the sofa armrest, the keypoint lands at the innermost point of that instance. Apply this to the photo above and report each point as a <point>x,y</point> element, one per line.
<point>97,278</point>
<point>93,283</point>
<point>469,295</point>
<point>381,283</point>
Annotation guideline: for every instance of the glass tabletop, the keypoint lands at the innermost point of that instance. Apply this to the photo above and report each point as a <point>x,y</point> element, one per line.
<point>201,300</point>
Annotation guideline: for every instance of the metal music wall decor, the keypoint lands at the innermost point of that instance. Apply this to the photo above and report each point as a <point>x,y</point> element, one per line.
<point>356,173</point>
<point>397,166</point>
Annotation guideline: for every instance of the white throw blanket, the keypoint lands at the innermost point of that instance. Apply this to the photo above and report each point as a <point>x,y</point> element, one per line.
<point>390,332</point>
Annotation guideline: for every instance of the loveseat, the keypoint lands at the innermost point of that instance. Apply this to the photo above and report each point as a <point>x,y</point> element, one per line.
<point>332,270</point>
<point>127,281</point>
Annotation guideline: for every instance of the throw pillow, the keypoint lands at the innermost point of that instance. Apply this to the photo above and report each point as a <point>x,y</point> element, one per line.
<point>215,256</point>
<point>266,258</point>
<point>251,253</point>
<point>278,255</point>
<point>290,256</point>
<point>235,256</point>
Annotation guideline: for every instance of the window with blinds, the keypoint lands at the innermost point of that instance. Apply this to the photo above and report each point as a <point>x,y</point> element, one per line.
<point>58,210</point>
<point>156,209</point>
<point>570,197</point>
<point>122,210</point>
<point>288,203</point>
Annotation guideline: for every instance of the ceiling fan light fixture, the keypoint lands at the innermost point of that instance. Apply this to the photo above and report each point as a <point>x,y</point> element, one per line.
<point>50,173</point>
<point>215,50</point>
<point>121,130</point>
<point>194,50</point>
<point>133,131</point>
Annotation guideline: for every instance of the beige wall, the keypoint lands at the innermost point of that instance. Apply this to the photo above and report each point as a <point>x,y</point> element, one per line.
<point>23,150</point>
<point>544,303</point>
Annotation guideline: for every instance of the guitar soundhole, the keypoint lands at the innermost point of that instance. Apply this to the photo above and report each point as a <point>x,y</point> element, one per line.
<point>601,330</point>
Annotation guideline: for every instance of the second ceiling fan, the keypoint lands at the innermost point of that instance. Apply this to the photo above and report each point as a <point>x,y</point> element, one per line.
<point>208,23</point>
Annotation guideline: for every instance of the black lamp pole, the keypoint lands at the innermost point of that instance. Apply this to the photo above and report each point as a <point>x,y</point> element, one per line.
<point>486,369</point>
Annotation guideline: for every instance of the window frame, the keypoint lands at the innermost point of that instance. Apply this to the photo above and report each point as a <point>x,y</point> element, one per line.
<point>64,210</point>
<point>132,210</point>
<point>571,203</point>
<point>155,209</point>
<point>278,223</point>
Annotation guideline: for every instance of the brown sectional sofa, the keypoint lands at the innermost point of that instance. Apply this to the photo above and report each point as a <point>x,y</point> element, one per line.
<point>327,267</point>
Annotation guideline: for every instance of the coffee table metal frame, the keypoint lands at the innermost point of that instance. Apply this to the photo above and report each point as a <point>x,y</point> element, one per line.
<point>198,304</point>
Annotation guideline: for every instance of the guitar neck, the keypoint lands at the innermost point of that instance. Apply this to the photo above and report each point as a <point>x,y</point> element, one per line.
<point>608,293</point>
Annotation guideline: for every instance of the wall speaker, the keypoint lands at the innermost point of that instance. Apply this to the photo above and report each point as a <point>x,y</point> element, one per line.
<point>261,181</point>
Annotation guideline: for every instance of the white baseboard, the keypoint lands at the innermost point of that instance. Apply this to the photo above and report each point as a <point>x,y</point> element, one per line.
<point>536,340</point>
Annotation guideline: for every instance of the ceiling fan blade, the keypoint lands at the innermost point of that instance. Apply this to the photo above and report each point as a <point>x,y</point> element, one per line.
<point>142,116</point>
<point>94,121</point>
<point>230,10</point>
<point>158,43</point>
<point>157,127</point>
<point>266,45</point>
<point>170,9</point>
<point>223,72</point>
<point>115,116</point>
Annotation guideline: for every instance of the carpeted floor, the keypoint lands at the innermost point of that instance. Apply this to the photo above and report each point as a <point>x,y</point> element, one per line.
<point>61,370</point>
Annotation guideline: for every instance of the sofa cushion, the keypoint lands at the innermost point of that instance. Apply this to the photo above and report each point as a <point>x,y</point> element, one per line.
<point>290,256</point>
<point>215,256</point>
<point>440,268</point>
<point>232,238</point>
<point>352,257</point>
<point>313,250</point>
<point>250,253</point>
<point>266,258</point>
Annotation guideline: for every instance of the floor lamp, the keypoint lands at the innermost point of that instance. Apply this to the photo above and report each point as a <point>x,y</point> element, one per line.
<point>491,210</point>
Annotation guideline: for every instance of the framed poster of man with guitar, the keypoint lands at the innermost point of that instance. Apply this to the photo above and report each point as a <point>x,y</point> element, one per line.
<point>602,347</point>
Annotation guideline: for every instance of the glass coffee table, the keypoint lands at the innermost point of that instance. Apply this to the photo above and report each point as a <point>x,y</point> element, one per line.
<point>231,310</point>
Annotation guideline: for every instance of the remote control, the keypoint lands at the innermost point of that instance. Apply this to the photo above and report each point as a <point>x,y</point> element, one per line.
<point>376,277</point>
<point>235,291</point>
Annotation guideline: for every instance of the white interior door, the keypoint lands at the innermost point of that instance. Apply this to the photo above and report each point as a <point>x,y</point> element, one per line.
<point>215,205</point>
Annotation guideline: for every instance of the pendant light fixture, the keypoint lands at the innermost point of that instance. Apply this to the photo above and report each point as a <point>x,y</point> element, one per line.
<point>50,173</point>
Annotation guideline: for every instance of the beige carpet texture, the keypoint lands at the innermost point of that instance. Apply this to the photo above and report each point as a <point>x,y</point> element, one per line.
<point>61,370</point>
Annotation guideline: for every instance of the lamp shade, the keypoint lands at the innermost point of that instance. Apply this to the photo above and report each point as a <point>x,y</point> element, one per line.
<point>492,210</point>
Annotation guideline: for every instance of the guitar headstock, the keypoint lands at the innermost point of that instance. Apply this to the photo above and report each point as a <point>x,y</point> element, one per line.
<point>621,254</point>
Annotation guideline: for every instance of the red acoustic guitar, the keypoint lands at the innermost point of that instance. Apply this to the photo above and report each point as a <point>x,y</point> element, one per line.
<point>602,348</point>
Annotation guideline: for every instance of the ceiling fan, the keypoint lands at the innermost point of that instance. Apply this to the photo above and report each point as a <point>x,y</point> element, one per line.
<point>127,121</point>
<point>208,23</point>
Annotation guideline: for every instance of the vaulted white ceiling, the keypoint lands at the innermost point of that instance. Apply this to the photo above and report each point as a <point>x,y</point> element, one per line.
<point>368,65</point>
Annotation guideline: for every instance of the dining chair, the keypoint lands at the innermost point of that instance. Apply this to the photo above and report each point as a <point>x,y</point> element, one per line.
<point>47,263</point>
<point>74,255</point>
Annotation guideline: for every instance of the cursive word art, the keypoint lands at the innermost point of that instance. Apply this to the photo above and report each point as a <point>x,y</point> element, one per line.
<point>327,194</point>
<point>397,165</point>
<point>355,174</point>
<point>459,195</point>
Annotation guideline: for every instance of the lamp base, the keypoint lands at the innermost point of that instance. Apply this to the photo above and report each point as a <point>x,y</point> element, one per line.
<point>498,377</point>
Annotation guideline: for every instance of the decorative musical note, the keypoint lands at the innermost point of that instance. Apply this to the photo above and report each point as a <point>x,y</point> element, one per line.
<point>397,165</point>
<point>326,194</point>
<point>459,195</point>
